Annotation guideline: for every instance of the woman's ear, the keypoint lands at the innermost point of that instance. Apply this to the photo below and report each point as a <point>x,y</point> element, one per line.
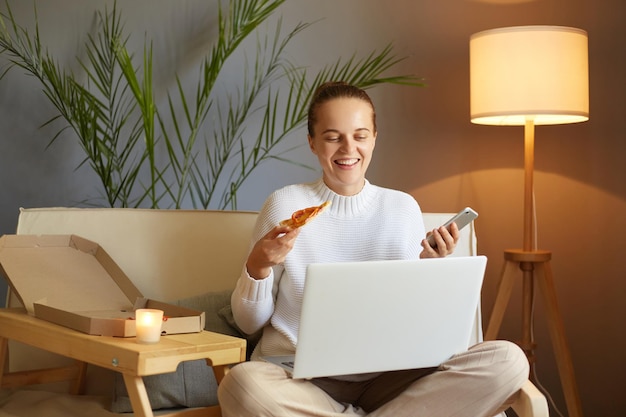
<point>311,144</point>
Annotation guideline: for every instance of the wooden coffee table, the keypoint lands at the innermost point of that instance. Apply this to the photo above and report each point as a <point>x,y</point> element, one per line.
<point>124,355</point>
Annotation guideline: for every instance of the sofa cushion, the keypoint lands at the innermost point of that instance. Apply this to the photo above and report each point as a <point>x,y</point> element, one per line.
<point>193,384</point>
<point>212,303</point>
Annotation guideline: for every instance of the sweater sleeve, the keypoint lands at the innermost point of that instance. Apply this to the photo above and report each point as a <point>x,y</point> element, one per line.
<point>253,300</point>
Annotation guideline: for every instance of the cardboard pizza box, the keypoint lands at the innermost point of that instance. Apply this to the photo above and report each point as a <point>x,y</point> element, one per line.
<point>72,281</point>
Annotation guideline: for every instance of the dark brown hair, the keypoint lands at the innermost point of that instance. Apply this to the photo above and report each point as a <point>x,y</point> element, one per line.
<point>336,89</point>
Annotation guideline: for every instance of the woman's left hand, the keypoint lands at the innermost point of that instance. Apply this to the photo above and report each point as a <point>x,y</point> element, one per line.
<point>445,242</point>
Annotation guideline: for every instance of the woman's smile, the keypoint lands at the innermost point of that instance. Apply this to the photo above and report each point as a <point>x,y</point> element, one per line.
<point>347,163</point>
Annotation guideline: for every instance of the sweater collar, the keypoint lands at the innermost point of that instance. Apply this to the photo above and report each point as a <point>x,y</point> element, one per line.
<point>346,205</point>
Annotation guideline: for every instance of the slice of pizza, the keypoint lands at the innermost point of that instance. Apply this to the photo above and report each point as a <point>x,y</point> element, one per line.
<point>301,217</point>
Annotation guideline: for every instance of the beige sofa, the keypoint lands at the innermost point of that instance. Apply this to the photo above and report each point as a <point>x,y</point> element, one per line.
<point>187,257</point>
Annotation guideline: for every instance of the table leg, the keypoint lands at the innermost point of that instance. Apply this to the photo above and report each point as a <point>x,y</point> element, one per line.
<point>138,396</point>
<point>220,371</point>
<point>78,387</point>
<point>4,357</point>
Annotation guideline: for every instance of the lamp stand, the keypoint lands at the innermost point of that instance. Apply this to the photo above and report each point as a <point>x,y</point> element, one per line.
<point>535,267</point>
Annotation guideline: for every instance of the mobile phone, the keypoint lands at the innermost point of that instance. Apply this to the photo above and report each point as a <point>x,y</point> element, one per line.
<point>462,219</point>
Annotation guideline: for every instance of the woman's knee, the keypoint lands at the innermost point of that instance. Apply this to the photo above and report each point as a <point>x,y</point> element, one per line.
<point>236,387</point>
<point>252,388</point>
<point>241,377</point>
<point>509,363</point>
<point>501,362</point>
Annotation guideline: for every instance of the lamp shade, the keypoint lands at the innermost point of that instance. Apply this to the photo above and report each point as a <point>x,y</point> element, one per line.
<point>537,73</point>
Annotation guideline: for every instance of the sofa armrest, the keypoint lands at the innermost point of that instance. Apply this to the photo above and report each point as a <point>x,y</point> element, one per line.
<point>531,402</point>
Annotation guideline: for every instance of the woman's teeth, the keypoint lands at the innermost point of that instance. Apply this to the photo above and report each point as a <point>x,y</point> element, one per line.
<point>347,161</point>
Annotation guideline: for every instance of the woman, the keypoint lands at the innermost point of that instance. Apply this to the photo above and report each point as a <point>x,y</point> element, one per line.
<point>364,222</point>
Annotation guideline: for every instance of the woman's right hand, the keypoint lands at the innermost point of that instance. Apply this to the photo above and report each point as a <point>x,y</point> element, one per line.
<point>271,250</point>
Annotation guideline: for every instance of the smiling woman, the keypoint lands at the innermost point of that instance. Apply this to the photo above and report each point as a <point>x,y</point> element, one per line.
<point>365,222</point>
<point>426,144</point>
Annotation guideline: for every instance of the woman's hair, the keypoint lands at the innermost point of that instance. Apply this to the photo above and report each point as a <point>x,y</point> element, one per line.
<point>336,89</point>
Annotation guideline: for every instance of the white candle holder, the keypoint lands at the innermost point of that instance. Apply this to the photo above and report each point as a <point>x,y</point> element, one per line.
<point>148,322</point>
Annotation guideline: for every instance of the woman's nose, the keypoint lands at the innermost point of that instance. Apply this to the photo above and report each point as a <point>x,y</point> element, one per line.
<point>348,145</point>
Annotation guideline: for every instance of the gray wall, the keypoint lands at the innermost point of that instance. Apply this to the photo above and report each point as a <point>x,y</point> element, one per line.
<point>427,147</point>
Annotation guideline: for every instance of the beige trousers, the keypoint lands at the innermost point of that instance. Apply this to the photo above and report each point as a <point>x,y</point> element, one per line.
<point>480,382</point>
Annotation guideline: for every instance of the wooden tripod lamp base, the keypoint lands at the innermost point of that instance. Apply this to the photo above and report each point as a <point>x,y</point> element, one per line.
<point>535,267</point>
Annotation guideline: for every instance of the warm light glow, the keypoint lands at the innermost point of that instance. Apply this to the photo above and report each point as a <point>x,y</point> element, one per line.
<point>148,325</point>
<point>537,73</point>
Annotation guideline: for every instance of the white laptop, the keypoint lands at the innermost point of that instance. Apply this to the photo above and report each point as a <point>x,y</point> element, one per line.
<point>360,317</point>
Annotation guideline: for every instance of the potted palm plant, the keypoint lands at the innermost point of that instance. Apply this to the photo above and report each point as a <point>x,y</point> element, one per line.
<point>170,155</point>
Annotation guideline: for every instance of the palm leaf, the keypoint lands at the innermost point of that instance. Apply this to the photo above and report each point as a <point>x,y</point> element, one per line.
<point>122,132</point>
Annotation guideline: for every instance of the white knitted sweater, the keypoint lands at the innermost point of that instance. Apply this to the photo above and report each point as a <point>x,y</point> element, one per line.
<point>376,224</point>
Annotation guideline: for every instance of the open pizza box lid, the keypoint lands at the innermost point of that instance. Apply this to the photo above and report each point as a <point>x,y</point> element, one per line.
<point>72,281</point>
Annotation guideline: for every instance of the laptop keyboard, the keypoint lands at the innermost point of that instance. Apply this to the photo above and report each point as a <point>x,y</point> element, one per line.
<point>288,364</point>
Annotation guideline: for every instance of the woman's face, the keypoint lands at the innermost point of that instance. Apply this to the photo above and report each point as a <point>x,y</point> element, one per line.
<point>344,139</point>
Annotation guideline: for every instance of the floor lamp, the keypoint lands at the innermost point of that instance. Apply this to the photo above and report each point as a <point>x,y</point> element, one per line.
<point>528,76</point>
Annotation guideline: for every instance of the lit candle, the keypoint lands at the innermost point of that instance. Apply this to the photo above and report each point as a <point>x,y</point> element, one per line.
<point>148,322</point>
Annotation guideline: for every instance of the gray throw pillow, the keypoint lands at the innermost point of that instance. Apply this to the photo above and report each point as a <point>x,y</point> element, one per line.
<point>192,385</point>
